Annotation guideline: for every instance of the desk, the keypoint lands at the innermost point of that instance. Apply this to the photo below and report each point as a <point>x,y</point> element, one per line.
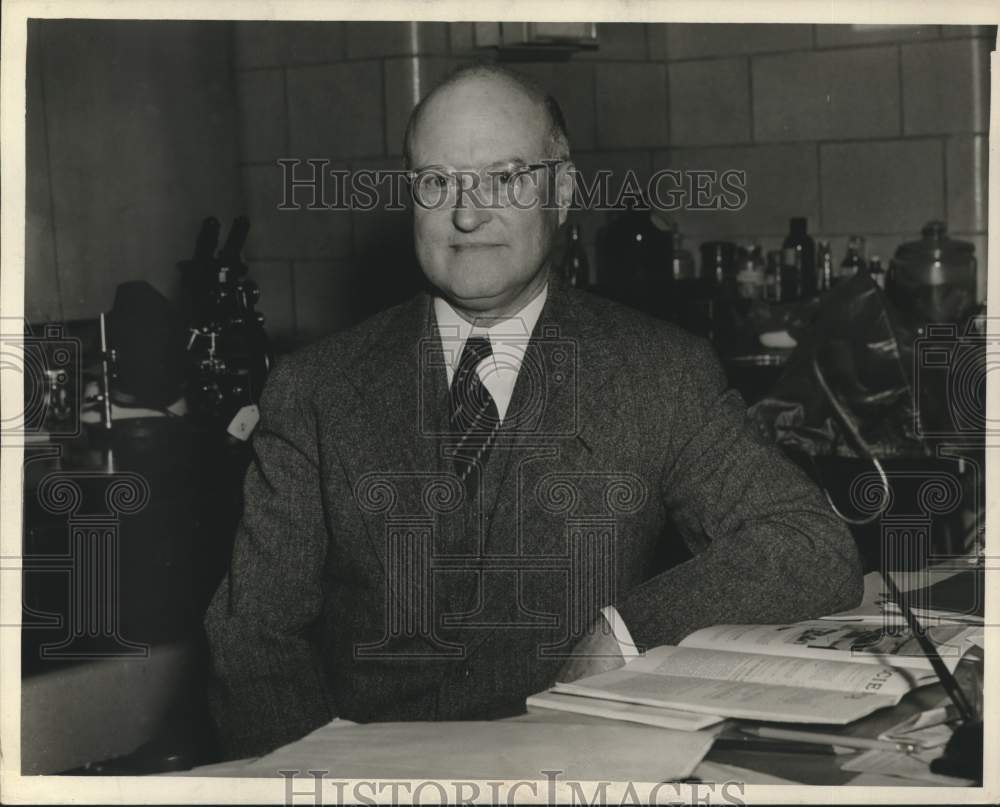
<point>68,717</point>
<point>751,767</point>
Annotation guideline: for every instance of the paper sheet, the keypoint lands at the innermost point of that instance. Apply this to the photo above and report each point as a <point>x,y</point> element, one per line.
<point>490,750</point>
<point>913,767</point>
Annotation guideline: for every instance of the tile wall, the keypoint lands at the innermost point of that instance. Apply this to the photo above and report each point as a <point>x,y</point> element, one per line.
<point>871,132</point>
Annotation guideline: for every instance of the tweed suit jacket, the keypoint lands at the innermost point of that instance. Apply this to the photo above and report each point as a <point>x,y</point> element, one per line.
<point>365,584</point>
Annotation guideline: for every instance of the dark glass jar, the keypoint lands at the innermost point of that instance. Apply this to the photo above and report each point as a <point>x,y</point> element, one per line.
<point>933,280</point>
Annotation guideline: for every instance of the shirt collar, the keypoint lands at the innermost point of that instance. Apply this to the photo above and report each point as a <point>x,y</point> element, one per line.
<point>512,333</point>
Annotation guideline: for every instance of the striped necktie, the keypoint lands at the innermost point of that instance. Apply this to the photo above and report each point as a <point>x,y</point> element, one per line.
<point>474,415</point>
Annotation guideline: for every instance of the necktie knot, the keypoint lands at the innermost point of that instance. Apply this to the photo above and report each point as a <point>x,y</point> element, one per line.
<point>476,349</point>
<point>472,406</point>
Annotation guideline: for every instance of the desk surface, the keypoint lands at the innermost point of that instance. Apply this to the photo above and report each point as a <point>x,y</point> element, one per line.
<point>751,767</point>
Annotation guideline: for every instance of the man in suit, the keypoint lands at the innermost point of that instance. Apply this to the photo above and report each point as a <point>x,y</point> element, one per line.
<point>473,493</point>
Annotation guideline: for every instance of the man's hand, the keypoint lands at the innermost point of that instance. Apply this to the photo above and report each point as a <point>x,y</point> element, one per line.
<point>595,653</point>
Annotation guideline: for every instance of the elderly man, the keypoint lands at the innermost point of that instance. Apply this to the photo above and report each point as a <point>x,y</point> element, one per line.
<point>471,494</point>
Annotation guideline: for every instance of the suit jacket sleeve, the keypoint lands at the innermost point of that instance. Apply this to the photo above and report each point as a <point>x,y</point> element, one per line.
<point>266,685</point>
<point>768,549</point>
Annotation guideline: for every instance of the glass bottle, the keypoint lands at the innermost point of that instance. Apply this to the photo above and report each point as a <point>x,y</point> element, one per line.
<point>853,261</point>
<point>773,276</point>
<point>876,270</point>
<point>683,261</point>
<point>750,279</point>
<point>719,267</point>
<point>824,266</point>
<point>798,256</point>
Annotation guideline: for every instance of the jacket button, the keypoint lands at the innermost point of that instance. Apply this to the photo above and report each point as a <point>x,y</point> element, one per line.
<point>468,672</point>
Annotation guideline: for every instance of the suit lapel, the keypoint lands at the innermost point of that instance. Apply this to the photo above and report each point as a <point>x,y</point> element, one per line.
<point>400,383</point>
<point>403,382</point>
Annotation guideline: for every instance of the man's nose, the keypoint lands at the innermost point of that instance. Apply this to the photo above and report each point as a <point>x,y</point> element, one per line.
<point>470,211</point>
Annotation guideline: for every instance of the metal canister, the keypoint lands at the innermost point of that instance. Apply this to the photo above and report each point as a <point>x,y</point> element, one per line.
<point>934,279</point>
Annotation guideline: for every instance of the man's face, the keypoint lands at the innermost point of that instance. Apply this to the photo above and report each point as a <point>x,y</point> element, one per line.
<point>484,258</point>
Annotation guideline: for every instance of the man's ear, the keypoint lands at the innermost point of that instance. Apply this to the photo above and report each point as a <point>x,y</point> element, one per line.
<point>565,185</point>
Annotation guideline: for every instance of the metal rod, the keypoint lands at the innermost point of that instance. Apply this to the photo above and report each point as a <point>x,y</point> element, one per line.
<point>948,680</point>
<point>105,373</point>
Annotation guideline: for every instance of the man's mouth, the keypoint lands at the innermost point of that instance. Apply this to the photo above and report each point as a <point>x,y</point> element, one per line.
<point>473,245</point>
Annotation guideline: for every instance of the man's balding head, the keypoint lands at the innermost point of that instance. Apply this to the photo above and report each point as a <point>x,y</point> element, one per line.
<point>486,256</point>
<point>550,114</point>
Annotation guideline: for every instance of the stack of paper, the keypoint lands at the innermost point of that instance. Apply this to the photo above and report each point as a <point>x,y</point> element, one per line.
<point>661,716</point>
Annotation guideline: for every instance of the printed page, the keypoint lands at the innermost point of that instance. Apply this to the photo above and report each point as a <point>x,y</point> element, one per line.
<point>788,671</point>
<point>740,699</point>
<point>865,643</point>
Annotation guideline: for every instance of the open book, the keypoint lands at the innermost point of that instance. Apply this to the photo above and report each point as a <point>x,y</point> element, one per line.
<point>808,672</point>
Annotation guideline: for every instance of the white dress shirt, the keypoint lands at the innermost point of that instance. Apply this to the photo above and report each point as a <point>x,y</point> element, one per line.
<point>498,372</point>
<point>508,338</point>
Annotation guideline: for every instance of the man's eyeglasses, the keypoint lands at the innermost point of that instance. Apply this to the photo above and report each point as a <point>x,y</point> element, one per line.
<point>497,185</point>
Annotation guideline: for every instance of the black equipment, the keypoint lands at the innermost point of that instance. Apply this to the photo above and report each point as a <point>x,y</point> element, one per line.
<point>227,344</point>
